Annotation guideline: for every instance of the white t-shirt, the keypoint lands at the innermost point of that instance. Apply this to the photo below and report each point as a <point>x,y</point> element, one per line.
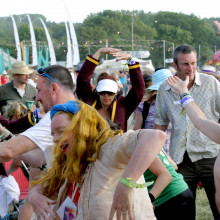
<point>40,134</point>
<point>21,92</point>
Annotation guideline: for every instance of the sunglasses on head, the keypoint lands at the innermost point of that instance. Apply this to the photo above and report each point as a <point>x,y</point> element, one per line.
<point>42,72</point>
<point>105,92</point>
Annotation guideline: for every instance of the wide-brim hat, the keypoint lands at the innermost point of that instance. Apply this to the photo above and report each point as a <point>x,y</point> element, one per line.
<point>208,69</point>
<point>159,77</point>
<point>107,85</point>
<point>20,67</point>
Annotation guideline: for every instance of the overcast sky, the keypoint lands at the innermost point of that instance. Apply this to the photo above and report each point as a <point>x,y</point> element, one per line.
<point>54,10</point>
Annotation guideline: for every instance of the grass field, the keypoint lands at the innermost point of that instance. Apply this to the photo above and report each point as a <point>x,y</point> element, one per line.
<point>203,211</point>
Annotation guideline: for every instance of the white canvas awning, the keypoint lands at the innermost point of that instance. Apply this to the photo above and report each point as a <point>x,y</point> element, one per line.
<point>110,66</point>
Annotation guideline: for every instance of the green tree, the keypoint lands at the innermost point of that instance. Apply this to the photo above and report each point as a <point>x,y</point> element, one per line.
<point>174,34</point>
<point>114,28</point>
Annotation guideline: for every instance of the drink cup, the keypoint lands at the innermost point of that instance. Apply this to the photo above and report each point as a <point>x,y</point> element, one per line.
<point>29,104</point>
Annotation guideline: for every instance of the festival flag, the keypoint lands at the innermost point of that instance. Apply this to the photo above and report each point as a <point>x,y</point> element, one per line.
<point>50,45</point>
<point>69,55</point>
<point>33,43</point>
<point>76,58</point>
<point>17,42</point>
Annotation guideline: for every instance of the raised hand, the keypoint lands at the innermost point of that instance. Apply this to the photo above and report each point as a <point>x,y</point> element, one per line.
<point>103,50</point>
<point>179,85</point>
<point>121,55</point>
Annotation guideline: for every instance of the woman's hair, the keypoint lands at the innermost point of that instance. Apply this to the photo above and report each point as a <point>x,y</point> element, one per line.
<point>90,131</point>
<point>152,94</point>
<point>105,76</point>
<point>15,109</point>
<point>147,79</point>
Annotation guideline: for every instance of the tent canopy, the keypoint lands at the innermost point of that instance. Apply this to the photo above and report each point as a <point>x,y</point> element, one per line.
<point>110,66</point>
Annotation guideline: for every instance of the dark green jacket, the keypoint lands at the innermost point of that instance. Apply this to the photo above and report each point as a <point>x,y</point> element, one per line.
<point>9,93</point>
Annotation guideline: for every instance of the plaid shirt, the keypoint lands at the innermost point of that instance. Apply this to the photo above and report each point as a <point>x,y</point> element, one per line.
<point>184,135</point>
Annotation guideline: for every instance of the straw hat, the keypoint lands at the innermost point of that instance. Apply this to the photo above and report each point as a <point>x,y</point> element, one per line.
<point>208,69</point>
<point>20,67</point>
<point>159,77</point>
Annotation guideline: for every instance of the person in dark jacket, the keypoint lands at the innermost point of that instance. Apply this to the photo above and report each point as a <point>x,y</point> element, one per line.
<point>18,89</point>
<point>103,97</point>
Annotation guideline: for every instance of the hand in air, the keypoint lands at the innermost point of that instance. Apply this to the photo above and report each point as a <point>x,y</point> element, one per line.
<point>121,56</point>
<point>179,85</point>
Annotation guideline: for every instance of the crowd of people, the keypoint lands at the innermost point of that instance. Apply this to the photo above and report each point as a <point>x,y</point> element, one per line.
<point>84,161</point>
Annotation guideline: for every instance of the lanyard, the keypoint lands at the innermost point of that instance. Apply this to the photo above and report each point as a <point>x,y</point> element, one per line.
<point>113,110</point>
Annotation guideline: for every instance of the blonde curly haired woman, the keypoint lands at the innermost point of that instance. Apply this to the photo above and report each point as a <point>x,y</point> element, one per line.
<point>106,165</point>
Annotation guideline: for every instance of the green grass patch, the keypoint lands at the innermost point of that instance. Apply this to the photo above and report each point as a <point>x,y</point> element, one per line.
<point>203,210</point>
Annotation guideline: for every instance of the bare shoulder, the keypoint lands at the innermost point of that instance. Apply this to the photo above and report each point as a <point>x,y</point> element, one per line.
<point>153,133</point>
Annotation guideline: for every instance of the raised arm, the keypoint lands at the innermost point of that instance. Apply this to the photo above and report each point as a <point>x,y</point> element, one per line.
<point>136,93</point>
<point>83,86</point>
<point>148,146</point>
<point>103,50</point>
<point>209,128</point>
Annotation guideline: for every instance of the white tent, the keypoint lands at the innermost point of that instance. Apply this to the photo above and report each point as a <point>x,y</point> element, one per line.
<point>110,66</point>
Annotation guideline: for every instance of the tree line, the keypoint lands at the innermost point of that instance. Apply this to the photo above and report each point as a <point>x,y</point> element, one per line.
<point>114,28</point>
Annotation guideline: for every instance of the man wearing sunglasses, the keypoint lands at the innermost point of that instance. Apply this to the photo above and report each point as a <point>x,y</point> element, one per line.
<point>18,89</point>
<point>54,86</point>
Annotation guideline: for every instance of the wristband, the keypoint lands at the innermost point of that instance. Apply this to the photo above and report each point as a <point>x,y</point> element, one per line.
<point>132,184</point>
<point>152,198</point>
<point>7,138</point>
<point>37,115</point>
<point>187,102</point>
<point>183,95</point>
<point>31,119</point>
<point>34,116</point>
<point>185,99</point>
<point>131,60</point>
<point>3,134</point>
